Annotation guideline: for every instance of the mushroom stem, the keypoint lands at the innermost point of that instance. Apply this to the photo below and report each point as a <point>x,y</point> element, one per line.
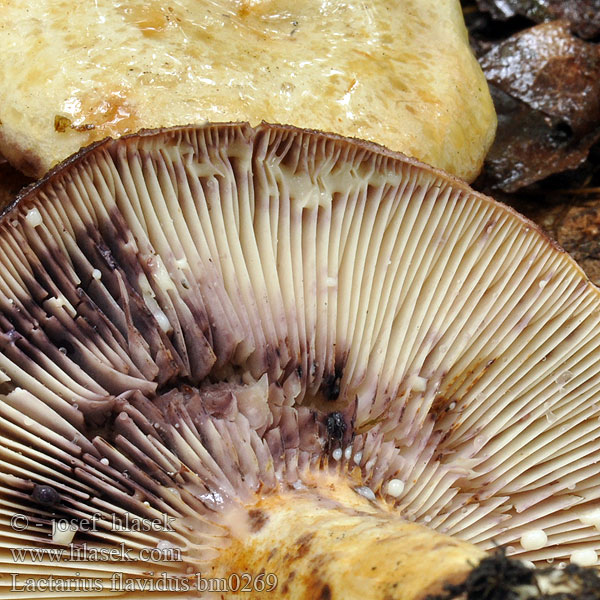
<point>327,541</point>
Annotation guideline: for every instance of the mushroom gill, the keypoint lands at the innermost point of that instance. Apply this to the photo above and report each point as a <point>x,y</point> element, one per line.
<point>230,350</point>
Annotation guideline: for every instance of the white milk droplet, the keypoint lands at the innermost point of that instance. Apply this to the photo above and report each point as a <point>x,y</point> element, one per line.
<point>395,487</point>
<point>162,320</point>
<point>366,492</point>
<point>63,536</point>
<point>534,539</point>
<point>33,217</point>
<point>584,558</point>
<point>564,377</point>
<point>591,518</point>
<point>419,384</point>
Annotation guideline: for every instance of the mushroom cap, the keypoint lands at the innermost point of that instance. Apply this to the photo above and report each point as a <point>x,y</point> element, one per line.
<point>398,73</point>
<point>194,316</point>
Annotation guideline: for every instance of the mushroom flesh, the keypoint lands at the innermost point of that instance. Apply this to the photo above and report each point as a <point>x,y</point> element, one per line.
<point>400,73</point>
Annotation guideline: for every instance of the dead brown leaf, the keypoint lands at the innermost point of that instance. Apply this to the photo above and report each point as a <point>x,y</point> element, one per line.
<point>583,15</point>
<point>546,88</point>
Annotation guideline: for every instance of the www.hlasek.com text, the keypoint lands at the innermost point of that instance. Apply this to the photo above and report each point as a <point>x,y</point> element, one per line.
<point>83,553</point>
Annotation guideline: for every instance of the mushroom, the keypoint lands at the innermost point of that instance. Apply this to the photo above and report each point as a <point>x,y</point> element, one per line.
<point>277,359</point>
<point>398,73</point>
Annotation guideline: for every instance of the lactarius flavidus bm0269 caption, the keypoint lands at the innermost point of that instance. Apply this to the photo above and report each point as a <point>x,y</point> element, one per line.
<point>307,355</point>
